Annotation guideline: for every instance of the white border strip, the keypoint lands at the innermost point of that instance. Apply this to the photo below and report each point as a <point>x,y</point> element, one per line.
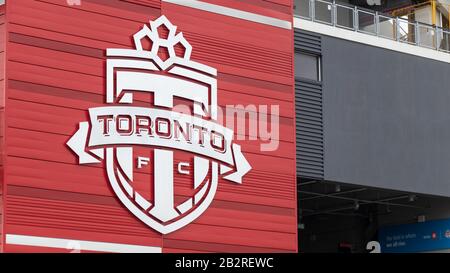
<point>371,40</point>
<point>70,244</point>
<point>232,13</point>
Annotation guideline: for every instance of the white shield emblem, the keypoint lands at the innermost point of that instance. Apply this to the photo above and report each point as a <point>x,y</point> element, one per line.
<point>148,150</point>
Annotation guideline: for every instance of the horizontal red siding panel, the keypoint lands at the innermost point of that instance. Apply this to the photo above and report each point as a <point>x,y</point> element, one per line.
<point>2,119</point>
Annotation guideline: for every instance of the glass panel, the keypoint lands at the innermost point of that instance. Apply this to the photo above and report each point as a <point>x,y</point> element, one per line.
<point>301,8</point>
<point>366,22</point>
<point>386,27</point>
<point>406,31</point>
<point>307,66</point>
<point>323,11</point>
<point>427,36</point>
<point>344,16</point>
<point>444,43</point>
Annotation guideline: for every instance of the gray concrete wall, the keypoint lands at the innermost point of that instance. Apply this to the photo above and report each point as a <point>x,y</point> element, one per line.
<point>386,118</point>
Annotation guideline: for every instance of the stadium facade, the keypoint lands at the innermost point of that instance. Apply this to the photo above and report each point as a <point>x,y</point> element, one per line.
<point>122,126</point>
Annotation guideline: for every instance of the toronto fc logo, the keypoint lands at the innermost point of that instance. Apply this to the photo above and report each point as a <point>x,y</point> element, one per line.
<point>162,164</point>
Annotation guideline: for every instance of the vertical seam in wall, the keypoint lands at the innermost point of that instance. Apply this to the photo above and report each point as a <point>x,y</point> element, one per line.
<point>294,122</point>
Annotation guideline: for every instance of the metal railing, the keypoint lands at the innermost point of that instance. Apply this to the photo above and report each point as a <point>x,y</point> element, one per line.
<point>373,23</point>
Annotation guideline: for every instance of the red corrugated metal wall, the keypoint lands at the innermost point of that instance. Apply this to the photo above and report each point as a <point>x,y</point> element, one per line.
<point>2,111</point>
<point>55,71</point>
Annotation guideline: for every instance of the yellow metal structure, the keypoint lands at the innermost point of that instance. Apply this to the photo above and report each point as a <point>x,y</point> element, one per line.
<point>433,12</point>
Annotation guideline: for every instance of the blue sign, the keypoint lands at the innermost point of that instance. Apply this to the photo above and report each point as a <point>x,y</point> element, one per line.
<point>418,237</point>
